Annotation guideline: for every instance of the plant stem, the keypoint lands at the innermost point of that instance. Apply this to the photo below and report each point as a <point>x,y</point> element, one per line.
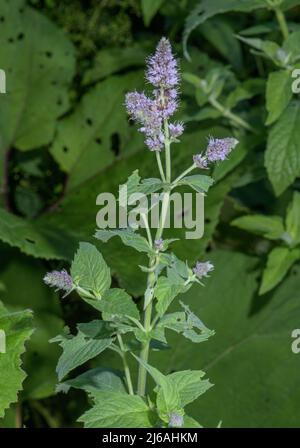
<point>282,23</point>
<point>230,115</point>
<point>126,367</point>
<point>191,168</point>
<point>160,167</point>
<point>149,236</point>
<point>168,152</point>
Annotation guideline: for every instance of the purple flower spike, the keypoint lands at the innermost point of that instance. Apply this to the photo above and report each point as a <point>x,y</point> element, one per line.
<point>162,66</point>
<point>59,280</point>
<point>176,130</point>
<point>176,420</point>
<point>219,148</point>
<point>203,269</point>
<point>200,161</point>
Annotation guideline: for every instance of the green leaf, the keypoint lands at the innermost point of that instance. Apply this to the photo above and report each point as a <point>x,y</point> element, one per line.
<point>149,9</point>
<point>167,399</point>
<point>89,270</point>
<point>282,157</point>
<point>40,62</point>
<point>165,291</point>
<point>17,327</point>
<point>196,330</point>
<point>293,219</point>
<point>96,380</point>
<point>118,302</point>
<point>198,182</point>
<point>270,227</point>
<point>278,94</point>
<point>209,8</point>
<point>279,262</point>
<point>118,410</point>
<point>77,350</point>
<point>128,237</point>
<point>252,345</point>
<point>291,45</point>
<point>83,145</point>
<point>189,422</point>
<point>190,385</point>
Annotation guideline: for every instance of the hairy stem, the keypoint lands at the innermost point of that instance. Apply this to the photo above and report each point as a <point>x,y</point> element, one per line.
<point>160,167</point>
<point>126,367</point>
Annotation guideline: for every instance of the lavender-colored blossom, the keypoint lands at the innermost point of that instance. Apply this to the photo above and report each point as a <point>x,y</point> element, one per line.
<point>176,130</point>
<point>159,244</point>
<point>162,66</point>
<point>175,420</point>
<point>200,161</point>
<point>59,280</point>
<point>219,148</point>
<point>203,268</point>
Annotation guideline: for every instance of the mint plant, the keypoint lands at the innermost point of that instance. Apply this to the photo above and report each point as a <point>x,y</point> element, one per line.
<point>125,328</point>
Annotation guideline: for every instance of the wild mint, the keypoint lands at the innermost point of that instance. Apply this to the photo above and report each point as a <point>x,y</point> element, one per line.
<point>124,327</point>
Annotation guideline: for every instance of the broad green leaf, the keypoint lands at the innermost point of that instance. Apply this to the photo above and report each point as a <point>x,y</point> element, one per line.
<point>278,94</point>
<point>149,9</point>
<point>293,219</point>
<point>189,422</point>
<point>252,345</point>
<point>89,269</point>
<point>118,302</point>
<point>96,380</point>
<point>291,45</point>
<point>39,61</point>
<point>77,350</point>
<point>282,157</point>
<point>86,140</point>
<point>209,8</point>
<point>168,399</point>
<point>270,227</point>
<point>279,262</point>
<point>165,291</point>
<point>118,410</point>
<point>96,329</point>
<point>17,327</point>
<point>196,330</point>
<point>190,385</point>
<point>198,182</point>
<point>40,240</point>
<point>128,237</point>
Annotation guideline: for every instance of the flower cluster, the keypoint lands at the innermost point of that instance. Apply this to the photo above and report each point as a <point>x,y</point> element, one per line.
<point>176,420</point>
<point>59,280</point>
<point>151,113</point>
<point>217,149</point>
<point>203,269</point>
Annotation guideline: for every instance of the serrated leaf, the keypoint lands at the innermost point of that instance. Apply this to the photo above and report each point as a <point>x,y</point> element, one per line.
<point>190,385</point>
<point>96,380</point>
<point>77,350</point>
<point>165,291</point>
<point>89,269</point>
<point>278,94</point>
<point>17,327</point>
<point>196,331</point>
<point>279,262</point>
<point>198,182</point>
<point>128,237</point>
<point>282,157</point>
<point>118,410</point>
<point>270,227</point>
<point>118,302</point>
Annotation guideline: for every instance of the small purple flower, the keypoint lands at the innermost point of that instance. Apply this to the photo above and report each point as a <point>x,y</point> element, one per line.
<point>59,280</point>
<point>175,421</point>
<point>202,269</point>
<point>200,161</point>
<point>176,130</point>
<point>162,66</point>
<point>159,244</point>
<point>219,148</point>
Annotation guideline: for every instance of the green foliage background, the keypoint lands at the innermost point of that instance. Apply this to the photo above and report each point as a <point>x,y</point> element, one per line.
<point>65,138</point>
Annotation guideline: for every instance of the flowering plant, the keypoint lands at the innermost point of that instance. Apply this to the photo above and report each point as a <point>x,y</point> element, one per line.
<point>117,402</point>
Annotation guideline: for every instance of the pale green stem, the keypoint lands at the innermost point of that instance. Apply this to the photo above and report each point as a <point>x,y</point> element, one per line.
<point>160,167</point>
<point>282,23</point>
<point>191,168</point>
<point>168,152</point>
<point>126,367</point>
<point>230,115</point>
<point>149,236</point>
